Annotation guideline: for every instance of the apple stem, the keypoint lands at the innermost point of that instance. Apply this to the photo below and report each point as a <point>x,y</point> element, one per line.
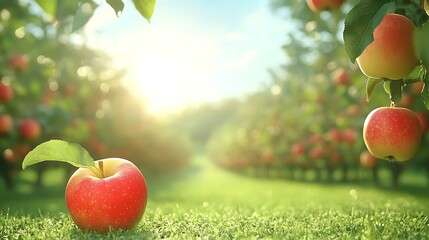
<point>98,171</point>
<point>100,166</point>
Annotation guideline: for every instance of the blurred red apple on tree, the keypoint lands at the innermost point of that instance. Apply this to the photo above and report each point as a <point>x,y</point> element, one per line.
<point>324,5</point>
<point>6,92</point>
<point>335,135</point>
<point>367,159</point>
<point>30,129</point>
<point>298,149</point>
<point>392,133</point>
<point>391,55</point>
<point>18,62</point>
<point>349,135</point>
<point>341,77</point>
<point>6,124</point>
<point>353,110</point>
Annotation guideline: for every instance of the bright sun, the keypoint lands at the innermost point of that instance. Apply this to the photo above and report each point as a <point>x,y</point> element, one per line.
<point>170,69</point>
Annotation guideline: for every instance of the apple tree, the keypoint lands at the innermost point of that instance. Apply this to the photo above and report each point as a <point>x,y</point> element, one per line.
<point>52,87</point>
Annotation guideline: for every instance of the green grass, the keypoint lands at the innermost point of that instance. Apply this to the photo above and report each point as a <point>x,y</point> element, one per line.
<point>209,203</point>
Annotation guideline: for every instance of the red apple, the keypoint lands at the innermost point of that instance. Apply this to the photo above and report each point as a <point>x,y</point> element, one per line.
<point>353,110</point>
<point>298,149</point>
<point>391,55</point>
<point>322,5</point>
<point>316,138</point>
<point>30,129</point>
<point>6,93</point>
<point>392,133</point>
<point>349,135</point>
<point>367,159</point>
<point>114,201</point>
<point>18,62</point>
<point>341,77</point>
<point>6,124</point>
<point>335,135</point>
<point>316,153</point>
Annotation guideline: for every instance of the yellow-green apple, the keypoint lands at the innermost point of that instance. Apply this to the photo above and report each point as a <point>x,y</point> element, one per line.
<point>322,5</point>
<point>6,124</point>
<point>6,93</point>
<point>391,55</point>
<point>30,129</point>
<point>18,62</point>
<point>112,198</point>
<point>392,133</point>
<point>367,159</point>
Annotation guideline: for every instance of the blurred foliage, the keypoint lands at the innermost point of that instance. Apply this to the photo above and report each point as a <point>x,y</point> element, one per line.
<point>75,94</point>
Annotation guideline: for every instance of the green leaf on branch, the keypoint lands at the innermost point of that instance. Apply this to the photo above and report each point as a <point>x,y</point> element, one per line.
<point>60,151</point>
<point>415,76</point>
<point>145,8</point>
<point>49,6</point>
<point>394,89</point>
<point>117,5</point>
<point>370,85</point>
<point>83,13</point>
<point>360,23</point>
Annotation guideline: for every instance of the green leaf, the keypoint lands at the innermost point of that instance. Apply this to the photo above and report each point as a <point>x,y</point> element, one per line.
<point>49,6</point>
<point>415,76</point>
<point>83,13</point>
<point>360,23</point>
<point>117,5</point>
<point>394,89</point>
<point>421,36</point>
<point>370,85</point>
<point>145,7</point>
<point>61,151</point>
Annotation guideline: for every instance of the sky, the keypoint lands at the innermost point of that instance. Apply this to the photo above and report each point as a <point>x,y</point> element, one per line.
<point>192,51</point>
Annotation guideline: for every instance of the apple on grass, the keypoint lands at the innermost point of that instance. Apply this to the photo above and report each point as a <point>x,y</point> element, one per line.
<point>392,133</point>
<point>104,195</point>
